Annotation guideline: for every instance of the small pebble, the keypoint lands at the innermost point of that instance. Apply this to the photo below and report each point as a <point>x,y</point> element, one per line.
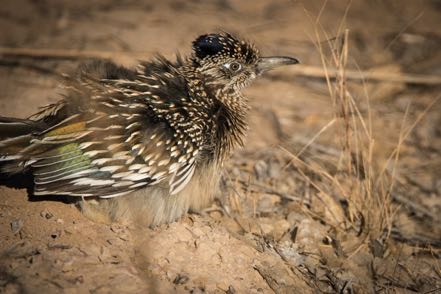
<point>180,279</point>
<point>261,170</point>
<point>16,226</point>
<point>46,214</point>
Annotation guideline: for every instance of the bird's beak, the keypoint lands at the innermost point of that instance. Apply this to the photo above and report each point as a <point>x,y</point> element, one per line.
<point>267,63</point>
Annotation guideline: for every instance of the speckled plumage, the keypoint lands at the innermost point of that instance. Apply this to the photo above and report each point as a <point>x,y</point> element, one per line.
<point>159,132</point>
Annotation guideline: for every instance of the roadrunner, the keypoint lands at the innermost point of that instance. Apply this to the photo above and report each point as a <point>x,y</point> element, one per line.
<point>146,144</point>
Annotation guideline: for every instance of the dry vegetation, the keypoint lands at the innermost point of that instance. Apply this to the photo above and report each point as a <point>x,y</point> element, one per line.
<point>337,189</point>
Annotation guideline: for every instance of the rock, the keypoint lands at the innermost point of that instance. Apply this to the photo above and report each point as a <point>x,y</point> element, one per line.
<point>16,226</point>
<point>261,170</point>
<point>46,214</point>
<point>181,279</point>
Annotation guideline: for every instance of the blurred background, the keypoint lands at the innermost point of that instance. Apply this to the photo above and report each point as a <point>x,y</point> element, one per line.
<point>336,189</point>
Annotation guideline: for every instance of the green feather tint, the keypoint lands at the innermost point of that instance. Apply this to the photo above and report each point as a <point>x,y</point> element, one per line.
<point>71,156</point>
<point>76,155</point>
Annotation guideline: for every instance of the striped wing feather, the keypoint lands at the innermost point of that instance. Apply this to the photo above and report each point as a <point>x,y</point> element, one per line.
<point>112,149</point>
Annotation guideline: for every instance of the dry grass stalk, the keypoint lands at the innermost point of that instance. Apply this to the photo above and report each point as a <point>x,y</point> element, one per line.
<point>360,190</point>
<point>354,197</point>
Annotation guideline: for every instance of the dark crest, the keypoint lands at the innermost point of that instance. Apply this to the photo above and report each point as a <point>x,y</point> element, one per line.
<point>224,45</point>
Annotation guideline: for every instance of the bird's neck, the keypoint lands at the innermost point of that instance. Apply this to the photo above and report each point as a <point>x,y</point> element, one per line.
<point>232,125</point>
<point>228,112</point>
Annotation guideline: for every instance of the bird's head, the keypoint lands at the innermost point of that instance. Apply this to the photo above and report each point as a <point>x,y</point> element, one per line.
<point>228,64</point>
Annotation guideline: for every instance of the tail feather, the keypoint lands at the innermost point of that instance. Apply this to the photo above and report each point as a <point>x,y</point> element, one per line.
<point>15,135</point>
<point>14,127</point>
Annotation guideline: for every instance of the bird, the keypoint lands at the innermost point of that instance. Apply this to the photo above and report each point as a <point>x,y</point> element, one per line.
<point>145,144</point>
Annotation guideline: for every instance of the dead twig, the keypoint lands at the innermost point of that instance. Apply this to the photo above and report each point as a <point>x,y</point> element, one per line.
<point>265,189</point>
<point>302,70</point>
<point>33,67</point>
<point>318,72</point>
<point>68,53</point>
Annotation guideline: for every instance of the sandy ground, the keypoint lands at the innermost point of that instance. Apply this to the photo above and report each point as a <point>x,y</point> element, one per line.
<point>290,217</point>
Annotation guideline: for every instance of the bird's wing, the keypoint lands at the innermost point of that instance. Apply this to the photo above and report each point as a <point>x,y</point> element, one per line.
<point>113,147</point>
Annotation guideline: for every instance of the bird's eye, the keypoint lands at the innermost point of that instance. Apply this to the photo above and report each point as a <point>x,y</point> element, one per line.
<point>233,66</point>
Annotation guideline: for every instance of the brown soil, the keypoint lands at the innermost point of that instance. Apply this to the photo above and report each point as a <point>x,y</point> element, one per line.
<point>282,223</point>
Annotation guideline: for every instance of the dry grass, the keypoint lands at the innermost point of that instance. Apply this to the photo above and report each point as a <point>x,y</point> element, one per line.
<point>343,186</point>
